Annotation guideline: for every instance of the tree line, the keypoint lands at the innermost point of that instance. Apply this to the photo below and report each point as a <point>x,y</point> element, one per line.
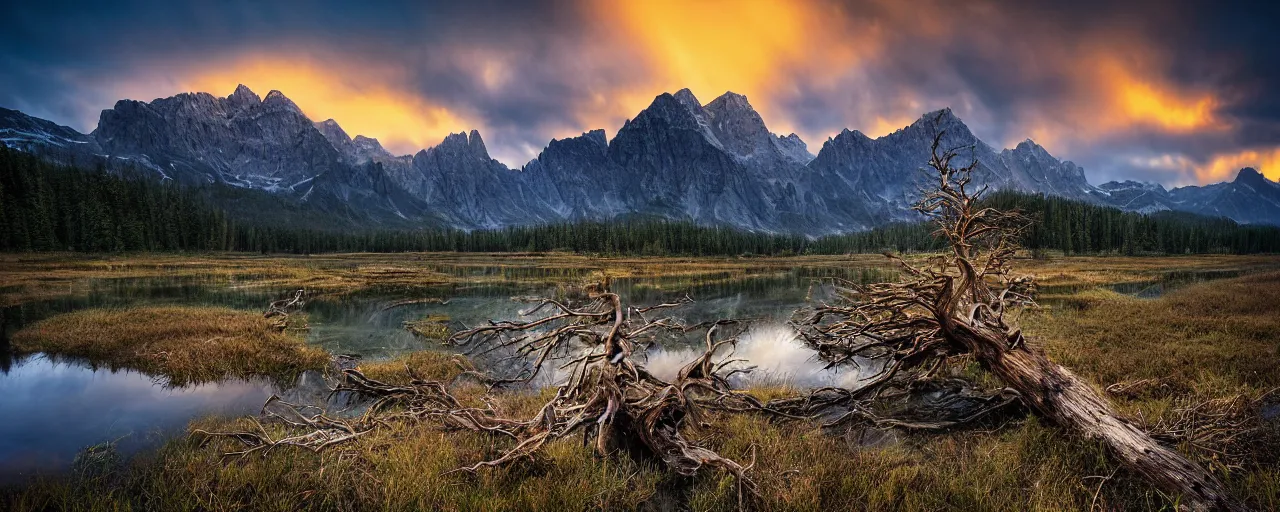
<point>1078,227</point>
<point>48,207</point>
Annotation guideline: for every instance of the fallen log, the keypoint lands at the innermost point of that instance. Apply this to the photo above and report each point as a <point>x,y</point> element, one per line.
<point>1059,395</point>
<point>955,304</point>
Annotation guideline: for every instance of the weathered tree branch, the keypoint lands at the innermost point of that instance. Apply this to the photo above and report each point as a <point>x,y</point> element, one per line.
<point>604,392</point>
<point>956,304</point>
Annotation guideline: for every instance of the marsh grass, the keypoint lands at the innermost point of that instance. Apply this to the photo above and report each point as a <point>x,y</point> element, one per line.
<point>1026,466</point>
<point>1203,342</point>
<point>31,277</point>
<point>183,344</point>
<point>430,327</point>
<point>1208,342</point>
<point>1221,336</point>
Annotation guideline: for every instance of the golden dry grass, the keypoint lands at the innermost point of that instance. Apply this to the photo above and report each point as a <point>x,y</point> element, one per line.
<point>184,344</point>
<point>1207,341</point>
<point>1025,466</point>
<point>1226,332</point>
<point>1101,270</point>
<point>28,277</point>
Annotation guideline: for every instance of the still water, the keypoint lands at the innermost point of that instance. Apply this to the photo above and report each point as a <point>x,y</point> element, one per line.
<point>53,409</point>
<point>56,408</point>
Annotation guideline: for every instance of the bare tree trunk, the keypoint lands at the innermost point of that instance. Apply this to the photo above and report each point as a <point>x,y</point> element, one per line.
<point>955,303</point>
<point>1062,397</point>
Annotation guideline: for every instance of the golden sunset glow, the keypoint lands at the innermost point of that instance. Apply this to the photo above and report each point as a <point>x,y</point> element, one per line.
<point>361,101</point>
<point>712,47</point>
<point>1225,167</point>
<point>1097,94</point>
<point>756,47</point>
<point>1109,98</point>
<point>1139,101</point>
<point>882,126</point>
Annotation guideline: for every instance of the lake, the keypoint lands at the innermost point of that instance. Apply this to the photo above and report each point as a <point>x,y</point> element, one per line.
<point>66,405</point>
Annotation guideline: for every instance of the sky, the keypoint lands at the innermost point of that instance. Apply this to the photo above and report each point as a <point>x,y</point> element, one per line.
<point>1172,92</point>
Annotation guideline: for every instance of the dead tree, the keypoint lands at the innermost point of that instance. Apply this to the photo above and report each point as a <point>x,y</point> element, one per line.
<point>956,304</point>
<point>604,393</point>
<point>605,390</point>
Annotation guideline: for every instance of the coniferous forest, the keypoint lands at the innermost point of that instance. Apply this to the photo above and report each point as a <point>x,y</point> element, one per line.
<point>47,207</point>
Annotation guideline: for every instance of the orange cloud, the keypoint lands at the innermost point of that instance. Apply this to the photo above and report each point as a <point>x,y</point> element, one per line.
<point>763,48</point>
<point>758,48</point>
<point>1106,96</point>
<point>1135,100</point>
<point>881,126</point>
<point>870,66</point>
<point>1224,167</point>
<point>1220,167</point>
<point>364,101</point>
<point>711,47</point>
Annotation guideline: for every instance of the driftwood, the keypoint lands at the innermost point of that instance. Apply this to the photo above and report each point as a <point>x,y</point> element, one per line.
<point>278,311</point>
<point>604,394</point>
<point>957,304</point>
<point>608,394</point>
<point>411,302</point>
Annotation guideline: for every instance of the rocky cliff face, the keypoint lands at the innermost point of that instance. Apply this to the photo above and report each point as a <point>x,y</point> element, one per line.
<point>1249,199</point>
<point>890,168</point>
<point>240,140</point>
<point>53,141</point>
<point>742,132</point>
<point>463,184</point>
<point>716,163</point>
<point>1034,170</point>
<point>337,137</point>
<point>670,164</point>
<point>1134,196</point>
<point>262,143</point>
<point>21,131</point>
<point>576,178</point>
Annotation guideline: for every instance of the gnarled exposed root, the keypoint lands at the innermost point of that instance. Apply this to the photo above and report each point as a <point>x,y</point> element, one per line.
<point>1224,430</point>
<point>956,304</point>
<point>603,392</point>
<point>318,431</point>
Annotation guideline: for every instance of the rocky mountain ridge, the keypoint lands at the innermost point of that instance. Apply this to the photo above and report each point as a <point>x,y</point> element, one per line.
<point>715,163</point>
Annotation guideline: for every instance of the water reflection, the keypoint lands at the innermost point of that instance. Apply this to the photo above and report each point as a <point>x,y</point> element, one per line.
<point>1171,281</point>
<point>53,409</point>
<point>1148,289</point>
<point>66,406</point>
<point>362,322</point>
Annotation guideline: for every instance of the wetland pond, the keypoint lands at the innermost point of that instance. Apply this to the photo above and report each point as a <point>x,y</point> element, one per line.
<point>58,410</point>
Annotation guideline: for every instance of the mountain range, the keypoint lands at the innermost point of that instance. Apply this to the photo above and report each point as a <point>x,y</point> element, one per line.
<point>714,164</point>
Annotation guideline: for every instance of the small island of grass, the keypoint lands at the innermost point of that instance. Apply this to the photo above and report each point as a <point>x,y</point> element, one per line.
<point>183,344</point>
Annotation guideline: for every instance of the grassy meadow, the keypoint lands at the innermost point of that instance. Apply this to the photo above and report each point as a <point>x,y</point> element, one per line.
<point>1206,349</point>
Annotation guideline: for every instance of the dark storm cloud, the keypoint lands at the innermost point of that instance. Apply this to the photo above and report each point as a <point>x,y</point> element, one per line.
<point>1150,90</point>
<point>1108,84</point>
<point>63,58</point>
